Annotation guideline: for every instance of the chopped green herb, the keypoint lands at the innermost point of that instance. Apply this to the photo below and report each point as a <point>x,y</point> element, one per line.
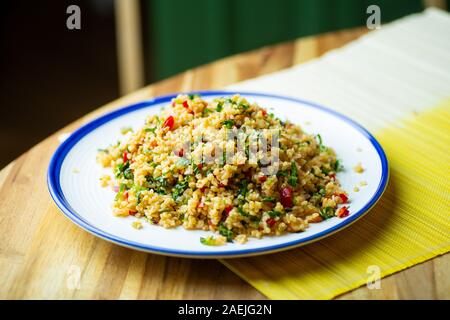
<point>242,106</point>
<point>152,130</point>
<point>123,169</point>
<point>228,123</point>
<point>243,187</point>
<point>206,111</point>
<point>338,166</point>
<point>242,212</point>
<point>327,213</point>
<point>219,106</point>
<point>321,146</point>
<point>274,214</point>
<point>128,174</point>
<point>224,231</point>
<point>322,192</point>
<point>282,173</point>
<point>209,241</point>
<point>193,96</point>
<point>293,178</point>
<point>179,189</point>
<point>269,199</point>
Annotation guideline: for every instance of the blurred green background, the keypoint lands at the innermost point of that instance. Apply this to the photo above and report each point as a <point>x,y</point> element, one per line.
<point>184,34</point>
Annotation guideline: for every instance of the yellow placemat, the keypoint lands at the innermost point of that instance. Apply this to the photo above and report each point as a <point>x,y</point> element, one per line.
<point>410,224</point>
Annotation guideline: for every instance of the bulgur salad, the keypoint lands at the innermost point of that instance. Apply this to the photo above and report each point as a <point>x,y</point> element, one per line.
<point>226,165</point>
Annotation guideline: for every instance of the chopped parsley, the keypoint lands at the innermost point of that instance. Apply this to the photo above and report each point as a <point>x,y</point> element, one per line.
<point>282,173</point>
<point>243,187</point>
<point>123,169</point>
<point>179,189</point>
<point>337,166</point>
<point>227,233</point>
<point>219,106</point>
<point>320,141</point>
<point>269,199</point>
<point>274,214</point>
<point>326,213</point>
<point>193,96</point>
<point>293,178</point>
<point>152,130</point>
<point>209,241</point>
<point>228,123</point>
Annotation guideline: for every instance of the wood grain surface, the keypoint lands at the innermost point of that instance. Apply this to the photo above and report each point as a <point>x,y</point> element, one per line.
<point>43,255</point>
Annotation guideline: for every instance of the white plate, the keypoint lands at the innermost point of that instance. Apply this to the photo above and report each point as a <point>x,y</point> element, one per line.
<point>73,179</point>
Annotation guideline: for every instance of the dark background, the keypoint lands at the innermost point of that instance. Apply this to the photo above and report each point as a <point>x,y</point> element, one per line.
<point>51,76</point>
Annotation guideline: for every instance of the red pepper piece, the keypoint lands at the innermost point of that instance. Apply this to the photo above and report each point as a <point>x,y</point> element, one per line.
<point>270,222</point>
<point>169,123</point>
<point>343,197</point>
<point>228,210</point>
<point>342,212</point>
<point>286,197</point>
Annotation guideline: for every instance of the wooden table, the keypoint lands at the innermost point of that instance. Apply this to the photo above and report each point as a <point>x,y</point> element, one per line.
<point>43,254</point>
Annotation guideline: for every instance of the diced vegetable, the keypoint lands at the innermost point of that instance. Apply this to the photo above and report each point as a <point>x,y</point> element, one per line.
<point>343,212</point>
<point>228,123</point>
<point>169,123</point>
<point>224,231</point>
<point>327,213</point>
<point>269,199</point>
<point>293,178</point>
<point>227,210</point>
<point>343,197</point>
<point>286,197</point>
<point>274,214</point>
<point>262,178</point>
<point>270,222</point>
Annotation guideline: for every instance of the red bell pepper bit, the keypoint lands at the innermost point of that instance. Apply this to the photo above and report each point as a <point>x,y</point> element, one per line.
<point>228,210</point>
<point>333,176</point>
<point>286,197</point>
<point>264,112</point>
<point>342,212</point>
<point>125,157</point>
<point>179,153</point>
<point>262,179</point>
<point>169,123</point>
<point>270,222</point>
<point>186,104</point>
<point>125,194</point>
<point>132,212</point>
<point>343,197</point>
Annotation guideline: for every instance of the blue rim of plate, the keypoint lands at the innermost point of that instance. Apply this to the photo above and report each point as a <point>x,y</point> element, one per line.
<point>54,186</point>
